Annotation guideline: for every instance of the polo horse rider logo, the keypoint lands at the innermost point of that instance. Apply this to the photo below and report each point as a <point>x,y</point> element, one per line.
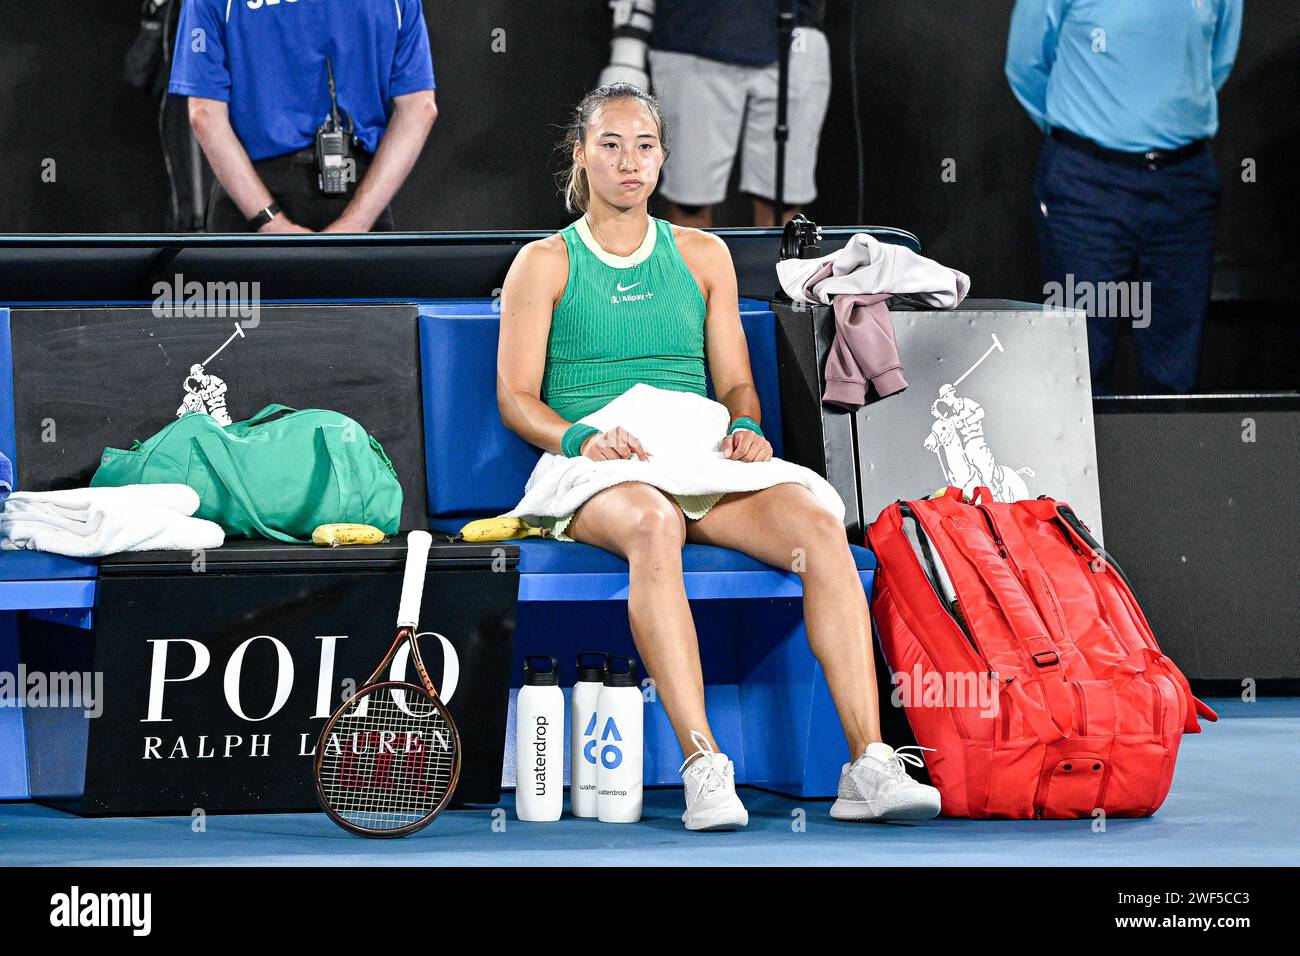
<point>205,393</point>
<point>957,437</point>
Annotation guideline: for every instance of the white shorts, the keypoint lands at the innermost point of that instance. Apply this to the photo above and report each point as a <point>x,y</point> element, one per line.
<point>708,105</point>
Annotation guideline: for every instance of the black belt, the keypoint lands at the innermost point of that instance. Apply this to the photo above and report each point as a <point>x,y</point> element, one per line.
<point>1152,159</point>
<point>307,157</point>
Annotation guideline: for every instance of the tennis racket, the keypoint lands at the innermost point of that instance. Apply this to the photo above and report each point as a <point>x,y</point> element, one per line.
<point>388,760</point>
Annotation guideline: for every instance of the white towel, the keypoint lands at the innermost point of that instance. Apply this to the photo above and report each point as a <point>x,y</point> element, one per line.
<point>867,266</point>
<point>682,432</point>
<point>94,522</point>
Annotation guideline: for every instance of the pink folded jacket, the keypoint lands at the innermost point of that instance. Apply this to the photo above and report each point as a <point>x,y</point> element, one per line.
<point>863,357</point>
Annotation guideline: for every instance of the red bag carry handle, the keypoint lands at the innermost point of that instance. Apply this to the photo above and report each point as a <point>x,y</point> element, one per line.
<point>1196,707</point>
<point>1039,719</point>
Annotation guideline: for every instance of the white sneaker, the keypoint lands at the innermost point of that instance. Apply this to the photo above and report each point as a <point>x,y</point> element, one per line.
<point>876,787</point>
<point>711,801</point>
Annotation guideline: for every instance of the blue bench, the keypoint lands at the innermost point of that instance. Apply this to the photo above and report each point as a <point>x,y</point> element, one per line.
<point>767,697</point>
<point>48,585</point>
<point>44,585</point>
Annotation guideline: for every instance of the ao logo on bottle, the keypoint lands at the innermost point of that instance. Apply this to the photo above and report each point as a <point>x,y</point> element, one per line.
<point>611,755</point>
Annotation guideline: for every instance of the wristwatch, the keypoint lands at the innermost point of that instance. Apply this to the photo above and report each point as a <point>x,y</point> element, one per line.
<point>265,216</point>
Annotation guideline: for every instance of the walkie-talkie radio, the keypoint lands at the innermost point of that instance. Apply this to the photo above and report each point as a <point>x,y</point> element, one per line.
<point>334,164</point>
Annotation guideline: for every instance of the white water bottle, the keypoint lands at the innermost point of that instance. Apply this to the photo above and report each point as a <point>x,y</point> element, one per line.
<point>620,726</point>
<point>539,742</point>
<point>582,733</point>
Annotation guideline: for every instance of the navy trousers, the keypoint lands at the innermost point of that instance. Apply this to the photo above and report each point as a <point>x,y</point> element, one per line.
<point>1102,221</point>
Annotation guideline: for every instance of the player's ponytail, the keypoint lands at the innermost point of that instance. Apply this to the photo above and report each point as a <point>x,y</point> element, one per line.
<point>573,180</point>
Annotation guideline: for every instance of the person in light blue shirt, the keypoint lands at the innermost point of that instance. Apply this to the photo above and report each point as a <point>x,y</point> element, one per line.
<point>1126,92</point>
<point>257,76</point>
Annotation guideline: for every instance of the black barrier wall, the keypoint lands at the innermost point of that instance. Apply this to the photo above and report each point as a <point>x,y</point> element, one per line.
<point>217,680</point>
<point>1200,514</point>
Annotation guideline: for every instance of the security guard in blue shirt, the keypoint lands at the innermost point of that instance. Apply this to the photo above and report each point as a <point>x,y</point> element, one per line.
<point>1127,186</point>
<point>310,112</point>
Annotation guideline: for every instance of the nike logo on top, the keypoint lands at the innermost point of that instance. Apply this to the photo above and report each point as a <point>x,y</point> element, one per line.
<point>628,288</point>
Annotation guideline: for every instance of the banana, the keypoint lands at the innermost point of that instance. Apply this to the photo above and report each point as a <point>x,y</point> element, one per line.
<point>339,534</point>
<point>497,529</point>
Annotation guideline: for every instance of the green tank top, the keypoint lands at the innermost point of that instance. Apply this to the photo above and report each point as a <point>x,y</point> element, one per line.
<point>623,320</point>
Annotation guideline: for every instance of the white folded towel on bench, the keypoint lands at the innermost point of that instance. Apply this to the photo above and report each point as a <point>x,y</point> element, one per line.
<point>94,522</point>
<point>682,432</point>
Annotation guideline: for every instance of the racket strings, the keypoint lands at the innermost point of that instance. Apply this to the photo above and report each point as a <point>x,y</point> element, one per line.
<point>390,760</point>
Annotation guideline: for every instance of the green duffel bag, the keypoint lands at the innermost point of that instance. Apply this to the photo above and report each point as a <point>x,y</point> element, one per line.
<point>278,475</point>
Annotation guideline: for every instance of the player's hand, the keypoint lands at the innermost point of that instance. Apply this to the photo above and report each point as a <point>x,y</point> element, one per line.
<point>745,445</point>
<point>614,444</point>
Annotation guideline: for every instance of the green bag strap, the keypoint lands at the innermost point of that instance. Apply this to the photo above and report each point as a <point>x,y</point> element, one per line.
<point>342,464</point>
<point>378,449</point>
<point>215,451</point>
<point>270,411</point>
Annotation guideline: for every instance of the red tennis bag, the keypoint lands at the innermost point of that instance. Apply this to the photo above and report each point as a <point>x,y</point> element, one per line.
<point>1020,654</point>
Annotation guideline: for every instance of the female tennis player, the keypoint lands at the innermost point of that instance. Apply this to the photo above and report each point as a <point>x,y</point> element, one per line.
<point>565,292</point>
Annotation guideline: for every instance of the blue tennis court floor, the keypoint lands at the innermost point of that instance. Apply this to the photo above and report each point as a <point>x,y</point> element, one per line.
<point>1233,802</point>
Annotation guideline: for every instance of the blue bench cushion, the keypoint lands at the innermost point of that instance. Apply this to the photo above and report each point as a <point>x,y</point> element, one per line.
<point>539,556</point>
<point>39,566</point>
<point>553,557</point>
<point>39,582</point>
<point>568,571</point>
<point>476,467</point>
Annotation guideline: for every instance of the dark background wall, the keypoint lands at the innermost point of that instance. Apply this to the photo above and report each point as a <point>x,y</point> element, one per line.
<point>929,87</point>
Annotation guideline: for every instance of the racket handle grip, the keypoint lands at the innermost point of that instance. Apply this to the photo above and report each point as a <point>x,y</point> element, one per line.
<point>417,558</point>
